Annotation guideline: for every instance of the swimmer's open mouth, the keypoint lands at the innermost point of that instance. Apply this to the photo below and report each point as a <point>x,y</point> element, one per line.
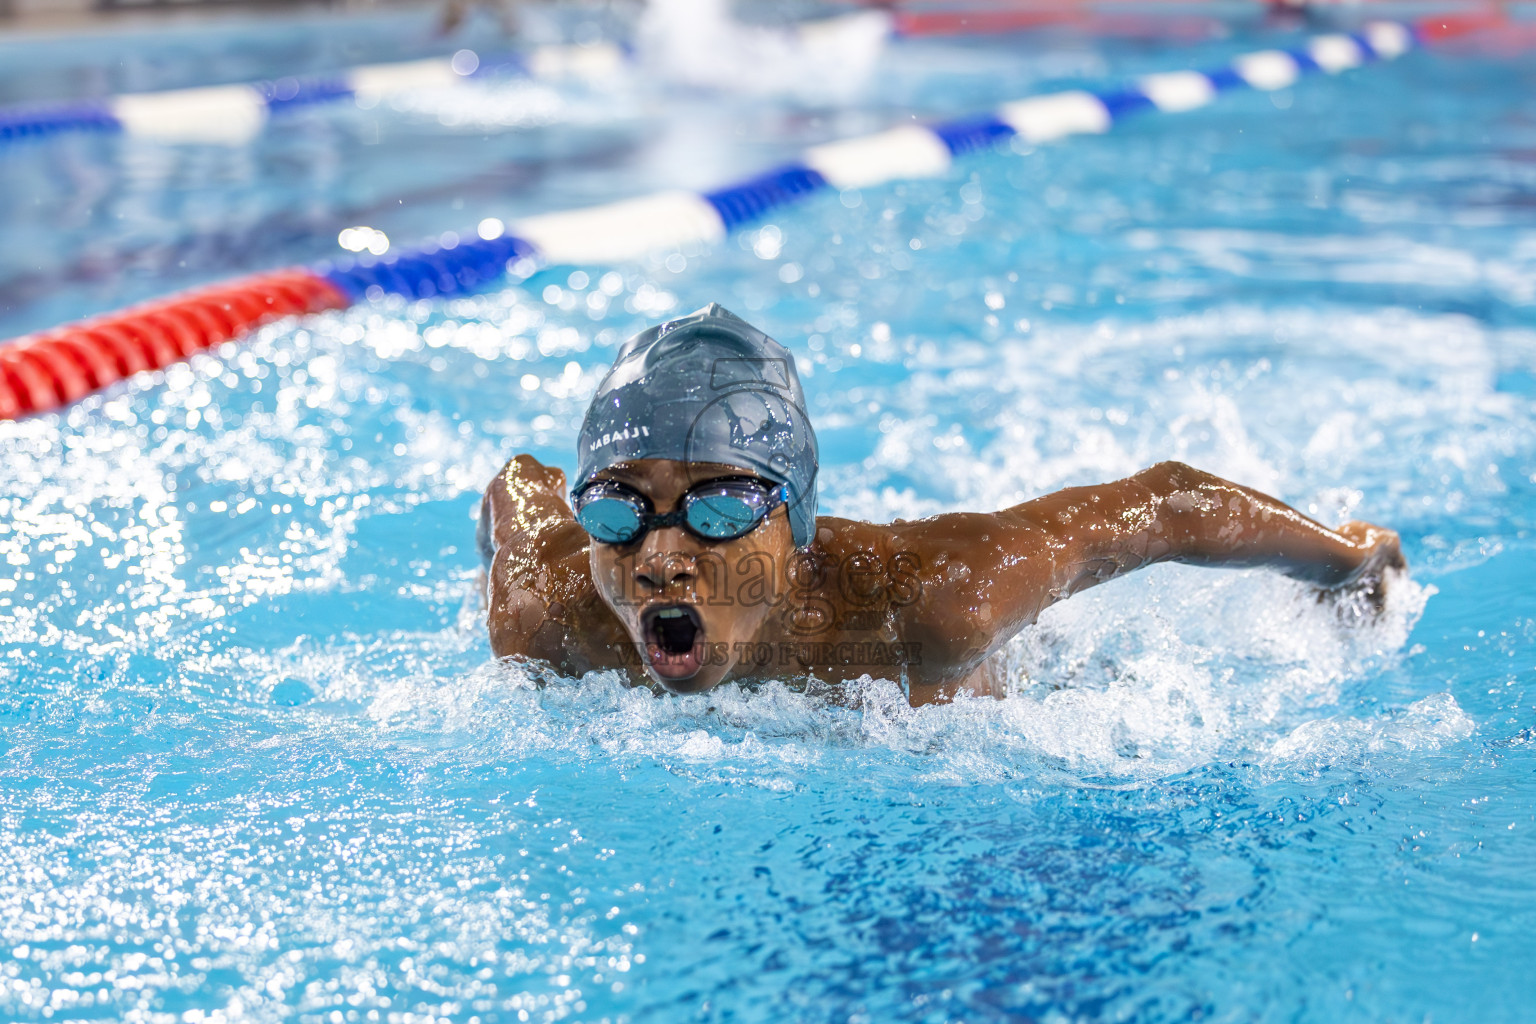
<point>673,640</point>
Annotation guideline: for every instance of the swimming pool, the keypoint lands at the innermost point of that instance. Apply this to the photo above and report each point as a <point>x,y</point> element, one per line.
<point>258,764</point>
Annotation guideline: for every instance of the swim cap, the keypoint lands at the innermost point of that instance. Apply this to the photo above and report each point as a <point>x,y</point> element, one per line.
<point>707,387</point>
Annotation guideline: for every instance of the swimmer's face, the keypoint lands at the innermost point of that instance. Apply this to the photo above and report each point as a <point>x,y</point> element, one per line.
<point>687,602</point>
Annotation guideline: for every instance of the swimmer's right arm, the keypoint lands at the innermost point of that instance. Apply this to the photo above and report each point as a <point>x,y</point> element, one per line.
<point>541,600</point>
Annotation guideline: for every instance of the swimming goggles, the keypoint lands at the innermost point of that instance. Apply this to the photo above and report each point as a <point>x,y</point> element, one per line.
<point>717,510</point>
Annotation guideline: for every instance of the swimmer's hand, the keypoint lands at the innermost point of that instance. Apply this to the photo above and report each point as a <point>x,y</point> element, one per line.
<point>1381,553</point>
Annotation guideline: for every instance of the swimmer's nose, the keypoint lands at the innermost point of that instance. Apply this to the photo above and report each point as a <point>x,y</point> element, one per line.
<point>662,564</point>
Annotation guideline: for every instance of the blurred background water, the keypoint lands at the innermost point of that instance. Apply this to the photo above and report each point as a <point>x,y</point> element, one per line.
<point>259,764</point>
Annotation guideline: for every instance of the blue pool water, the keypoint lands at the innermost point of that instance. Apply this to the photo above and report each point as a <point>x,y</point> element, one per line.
<point>259,765</point>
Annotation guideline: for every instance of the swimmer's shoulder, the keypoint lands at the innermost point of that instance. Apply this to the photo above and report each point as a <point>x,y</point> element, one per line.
<point>525,477</point>
<point>526,501</point>
<point>841,539</point>
<point>838,539</point>
<point>541,600</point>
<point>913,536</point>
<point>855,557</point>
<point>526,525</point>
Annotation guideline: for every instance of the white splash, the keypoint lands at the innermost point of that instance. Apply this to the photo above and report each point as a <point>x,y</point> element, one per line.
<point>697,43</point>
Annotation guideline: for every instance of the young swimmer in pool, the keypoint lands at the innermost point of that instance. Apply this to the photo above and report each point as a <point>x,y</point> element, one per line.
<point>688,551</point>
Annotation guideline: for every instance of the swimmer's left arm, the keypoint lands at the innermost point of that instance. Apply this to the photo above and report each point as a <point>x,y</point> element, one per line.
<point>1175,513</point>
<point>983,577</point>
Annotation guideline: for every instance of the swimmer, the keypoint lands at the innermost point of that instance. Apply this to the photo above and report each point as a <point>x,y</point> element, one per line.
<point>455,12</point>
<point>688,552</point>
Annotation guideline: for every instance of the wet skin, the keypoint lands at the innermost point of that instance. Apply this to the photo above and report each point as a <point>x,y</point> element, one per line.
<point>926,602</point>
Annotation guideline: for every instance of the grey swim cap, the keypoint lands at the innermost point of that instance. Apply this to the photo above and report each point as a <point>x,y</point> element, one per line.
<point>707,387</point>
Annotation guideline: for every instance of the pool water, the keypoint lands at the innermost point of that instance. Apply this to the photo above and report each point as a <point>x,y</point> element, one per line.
<point>259,763</point>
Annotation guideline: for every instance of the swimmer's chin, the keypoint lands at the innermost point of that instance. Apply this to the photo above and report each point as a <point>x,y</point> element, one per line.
<point>695,683</point>
<point>699,680</point>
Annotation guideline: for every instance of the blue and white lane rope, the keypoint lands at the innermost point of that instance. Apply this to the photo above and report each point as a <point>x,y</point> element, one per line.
<point>45,371</point>
<point>235,114</point>
<point>629,229</point>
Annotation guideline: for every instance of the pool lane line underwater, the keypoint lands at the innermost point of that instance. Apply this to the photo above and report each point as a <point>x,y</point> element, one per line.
<point>44,371</point>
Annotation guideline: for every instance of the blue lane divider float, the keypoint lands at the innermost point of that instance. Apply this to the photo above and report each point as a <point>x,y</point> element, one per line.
<point>31,122</point>
<point>626,230</point>
<point>44,371</point>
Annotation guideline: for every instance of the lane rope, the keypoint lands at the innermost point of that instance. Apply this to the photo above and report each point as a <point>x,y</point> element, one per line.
<point>54,368</point>
<point>235,114</point>
<point>42,372</point>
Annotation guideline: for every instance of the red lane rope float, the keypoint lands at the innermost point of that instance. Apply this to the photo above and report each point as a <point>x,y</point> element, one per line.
<point>982,17</point>
<point>988,20</point>
<point>1454,26</point>
<point>44,371</point>
<point>1449,26</point>
<point>979,21</point>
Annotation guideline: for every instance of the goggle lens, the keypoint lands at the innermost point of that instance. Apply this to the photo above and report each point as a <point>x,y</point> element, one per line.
<point>611,520</point>
<point>724,516</point>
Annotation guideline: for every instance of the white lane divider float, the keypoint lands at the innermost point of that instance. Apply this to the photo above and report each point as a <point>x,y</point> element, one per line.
<point>229,114</point>
<point>1176,91</point>
<point>617,231</point>
<point>1267,70</point>
<point>1335,53</point>
<point>1048,118</point>
<point>373,82</point>
<point>909,151</point>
